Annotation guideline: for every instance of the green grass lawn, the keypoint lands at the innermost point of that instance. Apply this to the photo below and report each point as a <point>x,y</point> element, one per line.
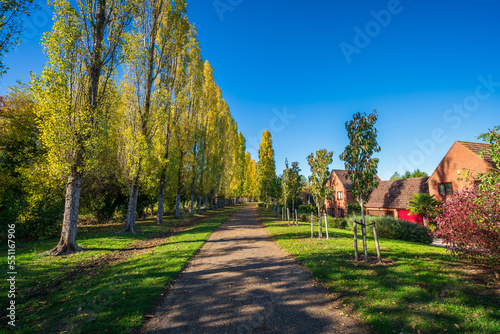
<point>417,289</point>
<point>102,290</point>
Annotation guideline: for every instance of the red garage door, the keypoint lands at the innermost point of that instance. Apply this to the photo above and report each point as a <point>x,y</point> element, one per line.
<point>405,215</point>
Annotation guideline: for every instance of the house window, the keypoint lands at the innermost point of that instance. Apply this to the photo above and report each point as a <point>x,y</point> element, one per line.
<point>331,212</point>
<point>340,195</point>
<point>341,213</point>
<point>445,189</point>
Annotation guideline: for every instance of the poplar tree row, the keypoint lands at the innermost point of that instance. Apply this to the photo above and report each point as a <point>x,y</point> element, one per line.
<point>126,94</point>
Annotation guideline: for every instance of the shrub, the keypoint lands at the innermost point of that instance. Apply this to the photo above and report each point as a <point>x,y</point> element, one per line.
<point>261,205</point>
<point>337,222</point>
<point>469,222</point>
<point>388,227</point>
<point>353,209</point>
<point>307,208</point>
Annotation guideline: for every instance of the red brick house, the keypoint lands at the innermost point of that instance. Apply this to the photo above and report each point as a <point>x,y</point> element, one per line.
<point>391,198</point>
<point>449,174</point>
<point>337,207</point>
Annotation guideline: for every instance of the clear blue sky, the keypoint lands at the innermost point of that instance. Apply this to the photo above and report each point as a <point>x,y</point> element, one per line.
<point>302,68</point>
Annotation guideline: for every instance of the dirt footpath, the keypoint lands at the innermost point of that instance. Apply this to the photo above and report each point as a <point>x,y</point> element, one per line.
<point>242,282</point>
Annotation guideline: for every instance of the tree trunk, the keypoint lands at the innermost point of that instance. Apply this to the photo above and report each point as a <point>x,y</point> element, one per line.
<point>379,258</point>
<point>161,199</point>
<point>320,227</point>
<point>206,202</point>
<point>363,231</point>
<point>67,243</point>
<point>312,225</point>
<point>199,204</point>
<point>191,209</point>
<point>326,227</point>
<point>211,202</point>
<point>177,214</point>
<point>132,207</point>
<point>296,217</point>
<point>288,215</point>
<point>355,241</point>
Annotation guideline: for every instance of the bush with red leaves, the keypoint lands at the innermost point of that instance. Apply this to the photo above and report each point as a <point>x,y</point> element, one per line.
<point>469,221</point>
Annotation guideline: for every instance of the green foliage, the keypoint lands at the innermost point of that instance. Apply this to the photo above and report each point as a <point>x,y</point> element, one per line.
<point>291,183</point>
<point>388,227</point>
<point>361,167</point>
<point>319,175</point>
<point>12,13</point>
<point>353,209</point>
<point>422,204</point>
<point>28,196</point>
<point>307,208</point>
<point>490,179</point>
<point>335,222</point>
<point>266,179</point>
<point>409,175</point>
<point>418,288</point>
<point>122,290</point>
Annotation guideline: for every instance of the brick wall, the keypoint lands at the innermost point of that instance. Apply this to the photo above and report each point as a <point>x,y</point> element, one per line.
<point>452,168</point>
<point>335,203</point>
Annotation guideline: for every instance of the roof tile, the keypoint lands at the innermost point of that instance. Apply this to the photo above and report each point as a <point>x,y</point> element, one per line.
<point>395,194</point>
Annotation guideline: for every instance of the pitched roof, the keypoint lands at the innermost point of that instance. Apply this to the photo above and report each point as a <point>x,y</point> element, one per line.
<point>478,148</point>
<point>395,194</point>
<point>342,176</point>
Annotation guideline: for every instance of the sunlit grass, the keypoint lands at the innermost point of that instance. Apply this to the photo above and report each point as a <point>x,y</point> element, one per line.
<point>109,298</point>
<point>418,289</point>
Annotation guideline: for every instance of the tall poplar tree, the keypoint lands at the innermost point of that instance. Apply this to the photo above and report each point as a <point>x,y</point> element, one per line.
<point>72,94</point>
<point>361,167</point>
<point>174,33</point>
<point>266,168</point>
<point>145,60</point>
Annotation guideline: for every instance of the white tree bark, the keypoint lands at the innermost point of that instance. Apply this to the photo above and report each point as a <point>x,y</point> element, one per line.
<point>177,213</point>
<point>132,208</point>
<point>363,230</point>
<point>326,226</point>
<point>161,199</point>
<point>312,225</point>
<point>67,243</point>
<point>355,241</point>
<point>191,208</point>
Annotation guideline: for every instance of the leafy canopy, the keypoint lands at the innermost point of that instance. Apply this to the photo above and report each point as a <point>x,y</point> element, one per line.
<point>409,175</point>
<point>266,167</point>
<point>12,13</point>
<point>492,178</point>
<point>319,175</point>
<point>361,167</point>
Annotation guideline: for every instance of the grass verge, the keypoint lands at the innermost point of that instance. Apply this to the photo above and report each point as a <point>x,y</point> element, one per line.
<point>417,288</point>
<point>96,291</point>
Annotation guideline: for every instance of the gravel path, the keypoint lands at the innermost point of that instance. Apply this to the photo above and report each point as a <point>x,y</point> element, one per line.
<point>242,282</point>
